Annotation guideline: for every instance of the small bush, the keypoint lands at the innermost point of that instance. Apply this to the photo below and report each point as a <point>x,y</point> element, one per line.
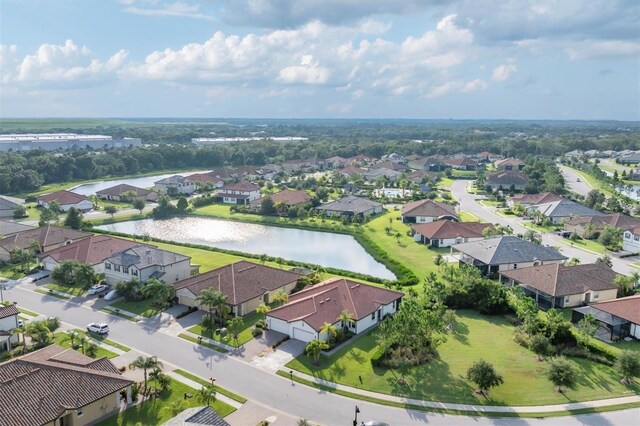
<point>255,332</point>
<point>576,352</point>
<point>279,342</point>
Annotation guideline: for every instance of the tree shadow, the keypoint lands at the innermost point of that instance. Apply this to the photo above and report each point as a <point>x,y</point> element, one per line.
<point>460,332</point>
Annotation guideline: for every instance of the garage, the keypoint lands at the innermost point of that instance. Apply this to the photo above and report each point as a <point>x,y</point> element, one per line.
<point>303,335</point>
<point>49,264</point>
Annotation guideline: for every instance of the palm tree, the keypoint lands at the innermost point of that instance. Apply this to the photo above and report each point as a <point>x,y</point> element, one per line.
<point>161,379</point>
<point>588,230</point>
<point>160,292</point>
<point>263,309</point>
<point>19,331</point>
<point>330,330</point>
<point>281,297</point>
<point>206,394</point>
<point>346,319</point>
<point>38,332</point>
<point>573,261</point>
<point>146,363</point>
<point>82,340</point>
<point>314,348</point>
<point>174,408</point>
<point>215,301</point>
<point>438,260</point>
<point>235,326</point>
<point>72,335</point>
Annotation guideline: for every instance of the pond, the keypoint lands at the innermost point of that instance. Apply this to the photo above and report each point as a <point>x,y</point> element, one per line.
<point>140,182</point>
<point>321,248</point>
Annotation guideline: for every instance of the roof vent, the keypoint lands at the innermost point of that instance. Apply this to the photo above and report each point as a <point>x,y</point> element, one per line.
<point>321,302</point>
<point>327,299</point>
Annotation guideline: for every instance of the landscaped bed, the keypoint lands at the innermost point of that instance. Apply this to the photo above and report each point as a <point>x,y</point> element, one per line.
<point>244,336</point>
<point>444,379</point>
<point>67,289</point>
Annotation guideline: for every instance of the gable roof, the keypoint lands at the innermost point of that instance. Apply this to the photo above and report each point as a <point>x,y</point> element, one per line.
<point>389,165</point>
<point>323,302</point>
<point>428,208</point>
<point>617,220</point>
<point>509,162</point>
<point>627,308</point>
<point>92,250</point>
<point>204,178</point>
<point>507,249</point>
<point>507,177</point>
<point>45,235</point>
<point>560,280</point>
<point>240,281</point>
<point>8,228</point>
<point>543,197</point>
<point>446,229</point>
<point>173,180</point>
<point>240,186</point>
<point>143,256</point>
<point>8,311</point>
<point>381,172</point>
<point>62,197</point>
<point>51,381</point>
<point>351,170</point>
<point>122,188</point>
<point>9,203</point>
<point>350,203</point>
<point>286,196</point>
<point>565,208</point>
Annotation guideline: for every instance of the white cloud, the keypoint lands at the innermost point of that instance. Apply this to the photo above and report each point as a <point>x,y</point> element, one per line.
<point>308,72</point>
<point>8,61</point>
<point>503,72</point>
<point>594,49</point>
<point>177,9</point>
<point>442,90</point>
<point>474,86</point>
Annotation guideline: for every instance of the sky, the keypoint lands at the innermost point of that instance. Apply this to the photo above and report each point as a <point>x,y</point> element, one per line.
<point>459,59</point>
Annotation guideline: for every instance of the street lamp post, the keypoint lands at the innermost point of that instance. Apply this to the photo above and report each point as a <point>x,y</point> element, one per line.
<point>1,295</point>
<point>355,420</point>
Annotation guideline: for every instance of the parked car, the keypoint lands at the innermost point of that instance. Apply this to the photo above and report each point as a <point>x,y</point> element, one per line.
<point>111,295</point>
<point>98,328</point>
<point>565,234</point>
<point>97,289</point>
<point>20,323</point>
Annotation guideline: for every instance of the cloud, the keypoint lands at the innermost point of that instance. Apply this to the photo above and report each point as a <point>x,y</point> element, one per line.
<point>503,72</point>
<point>596,49</point>
<point>177,9</point>
<point>474,86</point>
<point>308,72</point>
<point>443,89</point>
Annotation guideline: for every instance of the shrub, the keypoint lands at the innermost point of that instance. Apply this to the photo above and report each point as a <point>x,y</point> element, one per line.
<point>255,332</point>
<point>576,352</point>
<point>279,342</point>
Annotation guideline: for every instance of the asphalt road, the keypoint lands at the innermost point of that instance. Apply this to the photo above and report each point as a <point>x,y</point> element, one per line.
<point>264,388</point>
<point>571,178</point>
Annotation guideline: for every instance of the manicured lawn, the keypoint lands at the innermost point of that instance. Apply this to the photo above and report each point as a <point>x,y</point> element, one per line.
<point>144,307</point>
<point>468,217</point>
<point>593,182</point>
<point>541,228</point>
<point>444,379</point>
<point>68,289</point>
<point>244,336</point>
<point>587,245</point>
<point>106,341</point>
<point>445,182</point>
<point>10,271</point>
<point>220,390</point>
<point>61,339</point>
<point>151,412</point>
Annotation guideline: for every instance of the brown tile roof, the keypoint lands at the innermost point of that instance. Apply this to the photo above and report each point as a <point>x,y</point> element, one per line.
<point>428,208</point>
<point>323,302</point>
<point>506,177</point>
<point>204,178</point>
<point>389,165</point>
<point>561,280</point>
<point>240,186</point>
<point>544,197</point>
<point>459,161</point>
<point>240,281</point>
<point>122,188</point>
<point>8,311</point>
<point>509,162</point>
<point>442,229</point>
<point>625,307</point>
<point>39,388</point>
<point>287,196</point>
<point>46,235</point>
<point>351,170</point>
<point>92,250</point>
<point>617,220</point>
<point>62,197</point>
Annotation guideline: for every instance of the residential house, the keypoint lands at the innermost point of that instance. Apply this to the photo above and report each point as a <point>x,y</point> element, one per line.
<point>66,200</point>
<point>461,163</point>
<point>375,174</point>
<point>8,205</point>
<point>351,206</point>
<point>488,157</point>
<point>506,180</point>
<point>496,254</point>
<point>336,162</point>
<point>350,171</point>
<point>560,211</point>
<point>420,176</point>
<point>445,233</point>
<point>245,284</point>
<point>630,240</point>
<point>93,251</point>
<point>175,185</point>
<point>238,193</point>
<point>7,228</point>
<point>287,197</point>
<point>576,153</point>
<point>586,226</point>
<point>394,158</point>
<point>509,164</point>
<point>202,180</point>
<point>390,165</point>
<point>124,192</point>
<point>197,416</point>
<point>303,317</point>
<point>428,164</point>
<point>8,322</point>
<point>531,199</point>
<point>48,238</point>
<point>58,387</point>
<point>425,211</point>
<point>634,174</point>
<point>144,262</point>
<point>618,318</point>
<point>631,158</point>
<point>359,160</point>
<point>554,285</point>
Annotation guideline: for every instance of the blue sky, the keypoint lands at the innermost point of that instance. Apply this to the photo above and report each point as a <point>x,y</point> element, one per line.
<point>526,59</point>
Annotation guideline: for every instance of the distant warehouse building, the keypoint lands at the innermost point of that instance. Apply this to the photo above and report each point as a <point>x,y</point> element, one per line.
<point>227,141</point>
<point>62,141</point>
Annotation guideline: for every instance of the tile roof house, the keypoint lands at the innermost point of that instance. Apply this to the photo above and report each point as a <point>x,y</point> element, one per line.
<point>306,312</point>
<point>8,204</point>
<point>397,167</point>
<point>238,193</point>
<point>66,199</point>
<point>560,211</point>
<point>559,286</point>
<point>57,386</point>
<point>246,285</point>
<point>175,185</point>
<point>382,172</point>
<point>621,317</point>
<point>7,228</point>
<point>349,171</point>
<point>144,262</point>
<point>351,206</point>
<point>445,233</point>
<point>496,254</point>
<point>93,251</point>
<point>530,199</point>
<point>630,240</point>
<point>428,164</point>
<point>596,223</point>
<point>509,164</point>
<point>203,179</point>
<point>287,197</point>
<point>8,321</point>
<point>49,237</point>
<point>506,180</point>
<point>425,211</point>
<point>461,163</point>
<point>125,192</point>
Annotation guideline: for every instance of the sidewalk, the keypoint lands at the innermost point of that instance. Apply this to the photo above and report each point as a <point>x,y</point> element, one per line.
<point>471,407</point>
<point>220,397</point>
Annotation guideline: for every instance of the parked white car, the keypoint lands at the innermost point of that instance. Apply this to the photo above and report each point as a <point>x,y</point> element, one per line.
<point>98,328</point>
<point>111,295</point>
<point>97,289</point>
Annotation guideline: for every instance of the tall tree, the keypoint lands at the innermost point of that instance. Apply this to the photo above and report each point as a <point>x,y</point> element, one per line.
<point>235,326</point>
<point>158,291</point>
<point>346,319</point>
<point>314,348</point>
<point>206,394</point>
<point>263,309</point>
<point>146,363</point>
<point>215,301</point>
<point>73,219</point>
<point>138,204</point>
<point>628,365</point>
<point>484,375</point>
<point>110,210</point>
<point>330,330</point>
<point>562,373</point>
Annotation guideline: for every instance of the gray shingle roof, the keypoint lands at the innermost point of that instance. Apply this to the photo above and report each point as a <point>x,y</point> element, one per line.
<point>144,256</point>
<point>351,203</point>
<point>565,208</point>
<point>8,228</point>
<point>172,180</point>
<point>507,249</point>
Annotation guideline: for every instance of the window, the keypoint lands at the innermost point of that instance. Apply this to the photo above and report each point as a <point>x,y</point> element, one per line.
<point>636,238</point>
<point>566,299</point>
<point>627,235</point>
<point>125,270</point>
<point>134,272</point>
<point>107,266</point>
<point>596,294</point>
<point>515,266</point>
<point>79,412</point>
<point>373,316</point>
<point>117,268</point>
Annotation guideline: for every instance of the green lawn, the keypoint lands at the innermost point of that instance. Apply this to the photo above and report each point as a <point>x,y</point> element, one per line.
<point>145,307</point>
<point>592,245</point>
<point>445,182</point>
<point>468,217</point>
<point>220,390</point>
<point>244,336</point>
<point>61,339</point>
<point>151,412</point>
<point>10,271</point>
<point>68,289</point>
<point>478,337</point>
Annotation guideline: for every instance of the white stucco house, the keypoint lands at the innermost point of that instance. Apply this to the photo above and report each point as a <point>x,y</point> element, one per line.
<point>631,240</point>
<point>239,193</point>
<point>175,185</point>
<point>66,200</point>
<point>8,321</point>
<point>144,262</point>
<point>306,312</point>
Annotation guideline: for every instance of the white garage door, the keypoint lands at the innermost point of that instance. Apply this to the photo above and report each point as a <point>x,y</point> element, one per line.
<point>50,266</point>
<point>278,325</point>
<point>302,335</point>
